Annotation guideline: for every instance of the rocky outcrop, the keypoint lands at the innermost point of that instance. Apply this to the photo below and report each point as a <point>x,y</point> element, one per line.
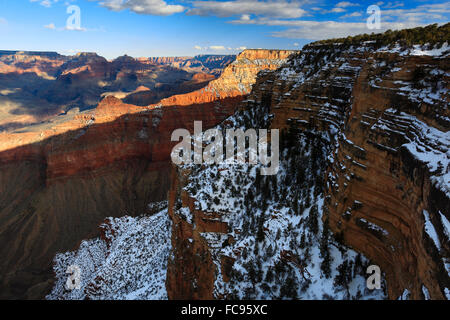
<point>236,79</point>
<point>109,162</point>
<point>187,275</point>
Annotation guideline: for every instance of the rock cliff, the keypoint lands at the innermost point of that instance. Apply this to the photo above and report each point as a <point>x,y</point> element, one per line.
<point>390,166</point>
<point>379,119</point>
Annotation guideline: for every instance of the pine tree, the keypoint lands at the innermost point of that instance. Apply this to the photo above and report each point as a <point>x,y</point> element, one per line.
<point>260,232</point>
<point>324,250</point>
<point>344,275</point>
<point>313,223</point>
<point>289,287</point>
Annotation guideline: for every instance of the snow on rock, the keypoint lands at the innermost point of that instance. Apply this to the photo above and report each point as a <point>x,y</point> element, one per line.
<point>405,295</point>
<point>417,50</point>
<point>425,292</point>
<point>420,51</point>
<point>432,147</point>
<point>430,230</point>
<point>374,227</point>
<point>129,264</point>
<point>446,225</point>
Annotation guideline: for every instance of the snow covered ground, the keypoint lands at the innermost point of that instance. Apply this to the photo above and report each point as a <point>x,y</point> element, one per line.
<point>419,50</point>
<point>130,264</point>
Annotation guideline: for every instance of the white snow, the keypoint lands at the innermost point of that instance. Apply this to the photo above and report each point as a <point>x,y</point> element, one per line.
<point>446,225</point>
<point>130,264</point>
<point>425,292</point>
<point>430,230</point>
<point>374,227</point>
<point>419,51</point>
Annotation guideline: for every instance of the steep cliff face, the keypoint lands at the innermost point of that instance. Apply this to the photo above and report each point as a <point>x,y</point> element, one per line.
<point>390,166</point>
<point>56,190</point>
<point>61,178</point>
<point>379,118</point>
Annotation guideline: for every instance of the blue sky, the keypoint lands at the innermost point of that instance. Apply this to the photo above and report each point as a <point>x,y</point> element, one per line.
<point>182,27</point>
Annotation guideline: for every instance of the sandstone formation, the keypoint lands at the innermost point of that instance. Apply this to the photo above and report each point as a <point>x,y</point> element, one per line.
<point>237,78</point>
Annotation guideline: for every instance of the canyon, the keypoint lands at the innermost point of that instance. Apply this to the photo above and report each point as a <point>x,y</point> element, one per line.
<point>363,180</point>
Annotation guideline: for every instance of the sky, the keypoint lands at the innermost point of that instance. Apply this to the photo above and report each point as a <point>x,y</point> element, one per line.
<point>143,28</point>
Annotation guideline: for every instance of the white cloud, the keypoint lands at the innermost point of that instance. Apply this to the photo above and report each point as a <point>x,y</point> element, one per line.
<point>217,48</point>
<point>345,4</point>
<point>341,7</point>
<point>151,7</point>
<point>337,10</point>
<point>424,14</point>
<point>319,30</point>
<point>351,15</point>
<point>45,3</point>
<point>74,29</point>
<point>278,9</point>
<point>50,26</point>
<point>392,5</point>
<point>220,48</point>
<point>245,17</point>
<point>391,19</point>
